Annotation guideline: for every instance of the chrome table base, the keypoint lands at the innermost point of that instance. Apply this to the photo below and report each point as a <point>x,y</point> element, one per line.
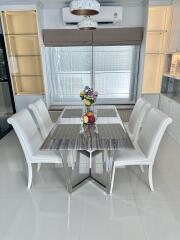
<point>80,166</point>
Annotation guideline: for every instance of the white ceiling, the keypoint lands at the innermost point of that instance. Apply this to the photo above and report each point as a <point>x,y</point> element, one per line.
<point>103,2</point>
<point>67,1</point>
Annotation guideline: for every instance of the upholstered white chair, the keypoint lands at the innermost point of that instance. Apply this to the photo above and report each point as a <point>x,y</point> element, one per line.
<point>31,141</point>
<point>140,110</point>
<point>42,117</point>
<point>149,138</point>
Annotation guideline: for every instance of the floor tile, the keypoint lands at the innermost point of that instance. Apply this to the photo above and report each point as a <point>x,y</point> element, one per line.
<point>48,212</point>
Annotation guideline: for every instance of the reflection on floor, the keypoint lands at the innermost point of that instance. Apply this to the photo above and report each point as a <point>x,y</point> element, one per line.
<point>47,212</point>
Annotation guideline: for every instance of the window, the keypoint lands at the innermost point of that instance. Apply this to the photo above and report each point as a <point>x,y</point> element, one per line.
<point>111,70</point>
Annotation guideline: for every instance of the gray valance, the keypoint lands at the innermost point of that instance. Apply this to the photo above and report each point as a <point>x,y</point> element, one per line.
<point>66,37</point>
<point>119,36</point>
<point>103,36</point>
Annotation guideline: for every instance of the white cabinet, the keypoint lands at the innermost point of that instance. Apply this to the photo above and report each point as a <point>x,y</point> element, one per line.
<point>172,109</point>
<point>174,43</point>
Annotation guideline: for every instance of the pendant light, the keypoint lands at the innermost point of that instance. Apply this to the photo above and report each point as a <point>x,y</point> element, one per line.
<point>87,24</point>
<point>85,7</point>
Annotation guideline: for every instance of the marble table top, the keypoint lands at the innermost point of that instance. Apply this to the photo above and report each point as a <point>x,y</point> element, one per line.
<point>70,134</point>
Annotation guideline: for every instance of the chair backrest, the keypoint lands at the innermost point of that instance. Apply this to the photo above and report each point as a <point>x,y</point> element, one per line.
<point>137,116</point>
<point>154,126</point>
<point>42,117</point>
<point>27,132</point>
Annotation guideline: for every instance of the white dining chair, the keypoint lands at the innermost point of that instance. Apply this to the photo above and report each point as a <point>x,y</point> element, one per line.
<point>138,114</point>
<point>42,117</point>
<point>31,141</point>
<point>154,126</point>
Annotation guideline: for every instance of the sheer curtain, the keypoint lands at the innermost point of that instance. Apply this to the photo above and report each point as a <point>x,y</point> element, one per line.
<point>111,70</point>
<point>69,69</point>
<point>115,73</point>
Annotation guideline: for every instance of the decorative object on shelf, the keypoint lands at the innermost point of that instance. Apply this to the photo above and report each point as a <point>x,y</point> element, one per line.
<point>85,7</point>
<point>87,24</point>
<point>88,96</point>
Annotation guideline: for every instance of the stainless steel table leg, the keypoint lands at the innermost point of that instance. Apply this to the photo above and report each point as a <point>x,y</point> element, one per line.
<point>76,170</point>
<point>109,169</point>
<point>66,170</point>
<point>101,170</point>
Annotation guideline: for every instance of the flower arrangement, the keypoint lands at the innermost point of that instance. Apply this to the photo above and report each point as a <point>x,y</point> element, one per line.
<point>88,96</point>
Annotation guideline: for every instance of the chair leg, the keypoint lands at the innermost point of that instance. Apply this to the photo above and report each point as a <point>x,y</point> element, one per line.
<point>150,178</point>
<point>29,175</point>
<point>38,167</point>
<point>142,168</point>
<point>112,179</point>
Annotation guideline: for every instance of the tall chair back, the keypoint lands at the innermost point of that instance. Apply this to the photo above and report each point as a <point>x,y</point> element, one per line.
<point>137,116</point>
<point>27,132</point>
<point>42,117</point>
<point>153,129</point>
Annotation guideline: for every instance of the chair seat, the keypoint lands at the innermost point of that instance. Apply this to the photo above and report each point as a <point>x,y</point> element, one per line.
<point>130,157</point>
<point>46,157</point>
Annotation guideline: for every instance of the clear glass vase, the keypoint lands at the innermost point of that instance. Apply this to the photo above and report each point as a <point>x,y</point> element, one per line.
<point>88,109</point>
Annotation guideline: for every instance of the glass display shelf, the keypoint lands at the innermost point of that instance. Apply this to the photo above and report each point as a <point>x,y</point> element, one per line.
<point>22,41</point>
<point>153,70</point>
<point>20,22</point>
<point>156,42</point>
<point>160,31</point>
<point>28,84</point>
<point>158,18</point>
<point>30,65</point>
<point>155,53</point>
<point>23,45</point>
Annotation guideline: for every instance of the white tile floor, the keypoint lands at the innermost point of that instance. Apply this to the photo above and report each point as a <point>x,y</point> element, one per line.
<point>47,212</point>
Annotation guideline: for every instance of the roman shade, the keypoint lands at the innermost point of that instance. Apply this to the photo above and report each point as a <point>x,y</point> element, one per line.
<point>66,37</point>
<point>117,36</point>
<point>98,37</point>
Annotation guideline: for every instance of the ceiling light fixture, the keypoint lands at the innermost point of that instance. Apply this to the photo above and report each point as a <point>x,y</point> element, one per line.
<point>85,7</point>
<point>87,24</point>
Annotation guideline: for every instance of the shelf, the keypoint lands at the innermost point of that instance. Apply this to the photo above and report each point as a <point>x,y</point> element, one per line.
<point>21,35</point>
<point>27,75</point>
<point>156,53</point>
<point>172,76</point>
<point>38,55</point>
<point>159,17</point>
<point>153,70</point>
<point>21,66</point>
<point>156,31</point>
<point>18,22</point>
<point>30,93</point>
<point>30,84</point>
<point>156,42</point>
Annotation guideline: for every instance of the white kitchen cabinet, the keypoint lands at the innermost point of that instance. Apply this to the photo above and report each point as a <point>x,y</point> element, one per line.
<point>172,109</point>
<point>174,42</point>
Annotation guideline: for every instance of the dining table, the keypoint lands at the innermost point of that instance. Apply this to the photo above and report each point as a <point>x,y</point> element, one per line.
<point>87,150</point>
